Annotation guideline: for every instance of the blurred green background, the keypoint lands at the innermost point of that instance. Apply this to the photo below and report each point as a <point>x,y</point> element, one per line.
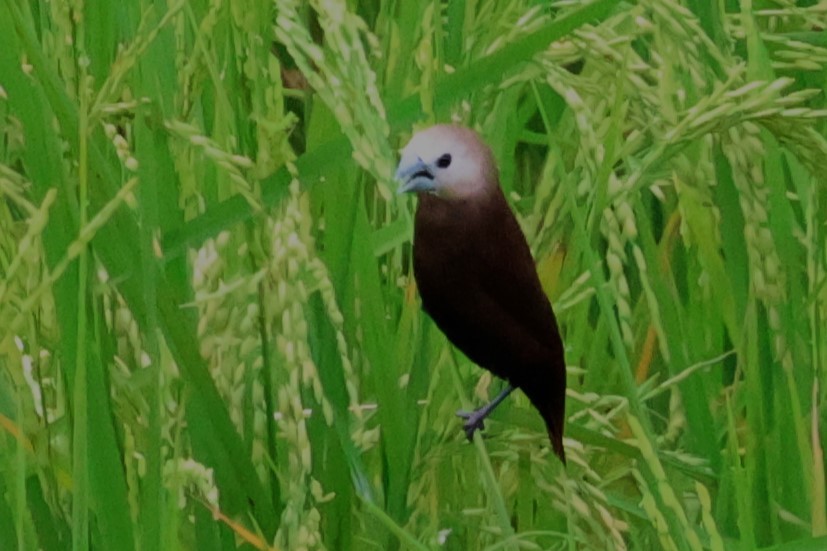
<point>209,333</point>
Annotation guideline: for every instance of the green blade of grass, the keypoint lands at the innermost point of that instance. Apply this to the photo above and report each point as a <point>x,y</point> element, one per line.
<point>51,533</point>
<point>8,533</point>
<point>107,480</point>
<point>81,417</point>
<point>152,152</point>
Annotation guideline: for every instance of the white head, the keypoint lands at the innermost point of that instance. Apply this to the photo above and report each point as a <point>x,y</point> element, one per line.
<point>449,161</point>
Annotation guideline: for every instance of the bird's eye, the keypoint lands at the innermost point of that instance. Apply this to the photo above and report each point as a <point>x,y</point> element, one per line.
<point>444,161</point>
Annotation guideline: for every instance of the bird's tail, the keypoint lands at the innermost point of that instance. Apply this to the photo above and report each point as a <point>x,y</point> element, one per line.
<point>555,434</point>
<point>554,425</point>
<point>553,413</point>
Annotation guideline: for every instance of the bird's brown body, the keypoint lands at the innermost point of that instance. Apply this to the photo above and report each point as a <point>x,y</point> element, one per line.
<point>475,272</point>
<point>482,290</point>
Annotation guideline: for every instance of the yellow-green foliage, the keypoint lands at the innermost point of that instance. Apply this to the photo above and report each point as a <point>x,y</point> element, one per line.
<point>209,333</point>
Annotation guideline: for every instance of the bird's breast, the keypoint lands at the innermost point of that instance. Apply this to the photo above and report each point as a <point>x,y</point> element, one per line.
<point>443,241</point>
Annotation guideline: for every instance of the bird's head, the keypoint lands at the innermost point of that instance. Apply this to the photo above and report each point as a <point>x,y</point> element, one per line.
<point>449,161</point>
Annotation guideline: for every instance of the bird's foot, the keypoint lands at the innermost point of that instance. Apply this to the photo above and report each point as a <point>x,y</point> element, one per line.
<point>474,421</point>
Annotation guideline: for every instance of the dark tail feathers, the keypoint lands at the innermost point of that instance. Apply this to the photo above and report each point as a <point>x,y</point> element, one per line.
<point>552,410</point>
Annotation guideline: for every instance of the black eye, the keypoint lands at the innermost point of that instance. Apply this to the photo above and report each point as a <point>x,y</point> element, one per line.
<point>444,161</point>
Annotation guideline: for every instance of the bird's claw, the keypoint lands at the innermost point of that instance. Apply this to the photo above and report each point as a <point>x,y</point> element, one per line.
<point>474,421</point>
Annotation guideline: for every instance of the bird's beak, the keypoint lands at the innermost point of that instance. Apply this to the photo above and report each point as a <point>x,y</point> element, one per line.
<point>415,175</point>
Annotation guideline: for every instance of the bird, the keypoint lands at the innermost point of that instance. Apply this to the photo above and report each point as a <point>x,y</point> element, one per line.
<point>475,274</point>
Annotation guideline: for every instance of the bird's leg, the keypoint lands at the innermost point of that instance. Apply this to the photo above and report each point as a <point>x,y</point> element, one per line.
<point>474,419</point>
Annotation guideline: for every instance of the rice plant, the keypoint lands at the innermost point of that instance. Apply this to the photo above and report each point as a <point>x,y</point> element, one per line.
<point>210,336</point>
